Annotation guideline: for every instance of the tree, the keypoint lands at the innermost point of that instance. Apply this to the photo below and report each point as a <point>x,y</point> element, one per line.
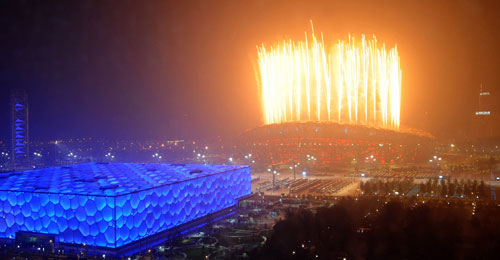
<point>459,191</point>
<point>422,188</point>
<point>428,186</point>
<point>474,186</point>
<point>467,190</point>
<point>368,188</point>
<point>386,188</point>
<point>400,187</point>
<point>451,189</point>
<point>444,190</point>
<point>482,190</point>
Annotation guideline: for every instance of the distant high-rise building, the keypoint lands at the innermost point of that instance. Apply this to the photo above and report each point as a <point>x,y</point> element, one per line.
<point>20,127</point>
<point>485,114</point>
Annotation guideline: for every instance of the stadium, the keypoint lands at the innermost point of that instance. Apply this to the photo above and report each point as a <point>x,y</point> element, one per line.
<point>332,104</point>
<point>114,205</point>
<point>322,144</point>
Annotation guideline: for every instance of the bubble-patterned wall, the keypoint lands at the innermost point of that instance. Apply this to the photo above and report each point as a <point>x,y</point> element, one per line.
<point>111,205</point>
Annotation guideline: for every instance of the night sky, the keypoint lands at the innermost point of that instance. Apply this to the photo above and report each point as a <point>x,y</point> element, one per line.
<point>181,69</point>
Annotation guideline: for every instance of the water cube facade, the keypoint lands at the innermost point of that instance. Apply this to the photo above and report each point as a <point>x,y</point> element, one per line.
<point>111,205</point>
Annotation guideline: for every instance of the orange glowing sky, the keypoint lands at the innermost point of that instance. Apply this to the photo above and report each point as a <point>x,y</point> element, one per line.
<point>187,68</point>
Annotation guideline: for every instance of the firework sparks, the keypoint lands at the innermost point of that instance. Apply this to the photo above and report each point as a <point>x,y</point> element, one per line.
<point>355,82</point>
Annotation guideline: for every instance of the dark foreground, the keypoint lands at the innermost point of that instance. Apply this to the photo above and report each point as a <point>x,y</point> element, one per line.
<point>378,228</point>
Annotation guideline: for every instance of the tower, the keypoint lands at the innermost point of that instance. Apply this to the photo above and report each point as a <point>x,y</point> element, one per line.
<point>484,115</point>
<point>20,127</point>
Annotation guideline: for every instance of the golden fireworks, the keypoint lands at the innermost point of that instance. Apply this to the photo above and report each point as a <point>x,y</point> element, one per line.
<point>356,82</point>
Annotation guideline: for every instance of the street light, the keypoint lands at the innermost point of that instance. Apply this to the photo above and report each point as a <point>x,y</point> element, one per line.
<point>109,156</point>
<point>157,156</point>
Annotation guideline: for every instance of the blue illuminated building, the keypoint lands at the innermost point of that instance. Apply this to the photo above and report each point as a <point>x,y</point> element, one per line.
<point>115,204</point>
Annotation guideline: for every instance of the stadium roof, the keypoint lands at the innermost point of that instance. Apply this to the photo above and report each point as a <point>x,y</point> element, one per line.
<point>106,179</point>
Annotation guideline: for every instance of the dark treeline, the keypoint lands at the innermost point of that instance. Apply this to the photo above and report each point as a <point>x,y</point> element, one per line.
<point>432,187</point>
<point>371,228</point>
<point>385,187</point>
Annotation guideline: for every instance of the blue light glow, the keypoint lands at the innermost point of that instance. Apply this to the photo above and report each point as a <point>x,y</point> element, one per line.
<point>111,205</point>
